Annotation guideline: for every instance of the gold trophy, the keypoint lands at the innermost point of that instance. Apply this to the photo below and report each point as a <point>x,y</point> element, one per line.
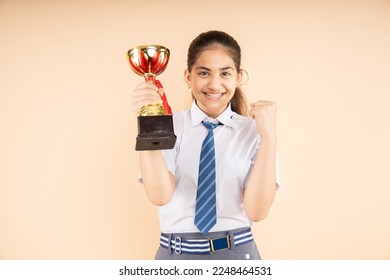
<point>155,124</point>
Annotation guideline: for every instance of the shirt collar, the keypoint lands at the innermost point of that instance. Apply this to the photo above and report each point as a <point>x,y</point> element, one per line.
<point>226,118</point>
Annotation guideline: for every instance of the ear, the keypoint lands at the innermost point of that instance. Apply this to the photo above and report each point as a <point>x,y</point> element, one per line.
<point>239,77</point>
<point>187,76</point>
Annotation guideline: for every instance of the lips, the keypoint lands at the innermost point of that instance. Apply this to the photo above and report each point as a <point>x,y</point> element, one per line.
<point>213,96</point>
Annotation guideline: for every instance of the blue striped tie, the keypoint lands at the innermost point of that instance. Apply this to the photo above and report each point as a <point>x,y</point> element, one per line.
<point>206,210</point>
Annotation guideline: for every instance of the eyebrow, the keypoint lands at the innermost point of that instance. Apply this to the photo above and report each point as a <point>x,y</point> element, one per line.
<point>208,69</point>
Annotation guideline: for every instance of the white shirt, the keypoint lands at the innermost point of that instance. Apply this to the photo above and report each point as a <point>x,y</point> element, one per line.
<point>236,146</point>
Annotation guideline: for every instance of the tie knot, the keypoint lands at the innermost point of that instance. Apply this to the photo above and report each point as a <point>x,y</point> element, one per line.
<point>209,125</point>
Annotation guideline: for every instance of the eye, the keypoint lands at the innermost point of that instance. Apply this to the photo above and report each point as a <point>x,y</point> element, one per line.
<point>226,74</point>
<point>203,73</point>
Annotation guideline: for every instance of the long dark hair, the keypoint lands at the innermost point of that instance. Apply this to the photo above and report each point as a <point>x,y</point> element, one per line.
<point>213,37</point>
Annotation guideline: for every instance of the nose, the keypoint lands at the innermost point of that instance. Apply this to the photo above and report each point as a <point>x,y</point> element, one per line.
<point>214,84</point>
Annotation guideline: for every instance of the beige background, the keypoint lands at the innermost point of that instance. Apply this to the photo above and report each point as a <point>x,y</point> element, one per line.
<point>68,169</point>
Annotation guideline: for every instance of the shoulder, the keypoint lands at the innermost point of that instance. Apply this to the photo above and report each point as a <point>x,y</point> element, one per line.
<point>181,114</point>
<point>179,118</point>
<point>241,119</point>
<point>245,128</point>
<point>243,122</point>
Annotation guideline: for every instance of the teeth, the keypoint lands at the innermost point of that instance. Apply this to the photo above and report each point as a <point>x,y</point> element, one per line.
<point>216,95</point>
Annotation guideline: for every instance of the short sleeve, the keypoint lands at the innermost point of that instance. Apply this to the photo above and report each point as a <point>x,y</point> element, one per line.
<point>170,159</point>
<point>278,184</point>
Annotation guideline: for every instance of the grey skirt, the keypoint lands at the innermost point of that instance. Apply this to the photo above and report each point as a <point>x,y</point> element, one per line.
<point>235,244</point>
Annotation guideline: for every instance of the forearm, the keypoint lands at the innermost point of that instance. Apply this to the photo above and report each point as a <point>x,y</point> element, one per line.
<point>261,188</point>
<point>158,182</point>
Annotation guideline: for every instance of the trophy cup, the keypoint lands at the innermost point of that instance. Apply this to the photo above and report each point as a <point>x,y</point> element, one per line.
<point>155,124</point>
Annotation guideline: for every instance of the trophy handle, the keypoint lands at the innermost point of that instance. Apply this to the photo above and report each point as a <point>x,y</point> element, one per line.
<point>164,100</point>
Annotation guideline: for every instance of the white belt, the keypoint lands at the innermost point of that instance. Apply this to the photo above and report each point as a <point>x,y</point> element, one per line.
<point>201,246</point>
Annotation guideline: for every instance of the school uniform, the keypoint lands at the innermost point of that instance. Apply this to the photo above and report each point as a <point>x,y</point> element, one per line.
<point>236,145</point>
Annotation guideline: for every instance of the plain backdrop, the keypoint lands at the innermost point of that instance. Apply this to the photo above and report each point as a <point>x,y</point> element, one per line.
<point>68,168</point>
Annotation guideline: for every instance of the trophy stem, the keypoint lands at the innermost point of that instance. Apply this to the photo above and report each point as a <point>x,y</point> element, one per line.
<point>150,77</point>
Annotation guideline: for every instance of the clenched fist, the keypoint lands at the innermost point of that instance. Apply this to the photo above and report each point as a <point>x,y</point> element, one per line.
<point>264,113</point>
<point>144,94</point>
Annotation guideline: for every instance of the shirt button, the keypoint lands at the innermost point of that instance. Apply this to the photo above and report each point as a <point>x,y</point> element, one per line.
<point>247,256</point>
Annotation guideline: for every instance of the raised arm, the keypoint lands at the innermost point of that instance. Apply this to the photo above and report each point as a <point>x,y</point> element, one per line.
<point>261,188</point>
<point>158,182</point>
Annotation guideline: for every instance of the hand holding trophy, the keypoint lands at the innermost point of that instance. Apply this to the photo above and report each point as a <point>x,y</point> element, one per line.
<point>155,124</point>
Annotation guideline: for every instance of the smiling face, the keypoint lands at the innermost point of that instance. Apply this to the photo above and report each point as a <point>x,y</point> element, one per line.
<point>213,79</point>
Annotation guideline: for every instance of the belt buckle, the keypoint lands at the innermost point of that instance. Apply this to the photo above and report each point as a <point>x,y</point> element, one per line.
<point>177,249</point>
<point>218,244</point>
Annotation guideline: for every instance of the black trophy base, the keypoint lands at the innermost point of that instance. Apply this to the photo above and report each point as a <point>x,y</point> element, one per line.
<point>155,133</point>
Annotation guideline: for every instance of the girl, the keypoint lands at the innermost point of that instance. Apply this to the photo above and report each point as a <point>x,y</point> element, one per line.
<point>222,173</point>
